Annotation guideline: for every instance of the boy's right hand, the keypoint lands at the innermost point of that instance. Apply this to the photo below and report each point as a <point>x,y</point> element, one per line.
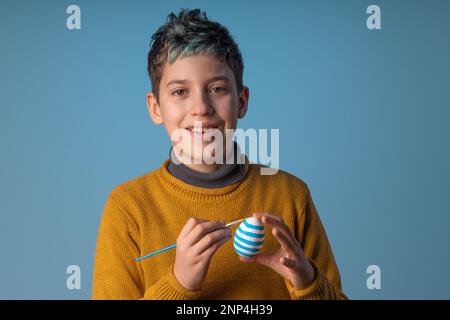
<point>196,244</point>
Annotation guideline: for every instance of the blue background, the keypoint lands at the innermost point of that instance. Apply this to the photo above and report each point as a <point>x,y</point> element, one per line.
<point>363,118</point>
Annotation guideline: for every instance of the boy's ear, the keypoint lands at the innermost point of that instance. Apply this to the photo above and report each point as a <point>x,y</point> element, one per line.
<point>243,102</point>
<point>153,108</point>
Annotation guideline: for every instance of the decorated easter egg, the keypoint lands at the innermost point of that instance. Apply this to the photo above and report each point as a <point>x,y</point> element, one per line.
<point>249,237</point>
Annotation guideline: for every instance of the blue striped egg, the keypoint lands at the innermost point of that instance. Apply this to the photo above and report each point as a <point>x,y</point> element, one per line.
<point>249,237</point>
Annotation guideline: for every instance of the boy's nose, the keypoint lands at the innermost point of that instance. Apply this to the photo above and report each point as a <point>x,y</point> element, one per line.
<point>200,105</point>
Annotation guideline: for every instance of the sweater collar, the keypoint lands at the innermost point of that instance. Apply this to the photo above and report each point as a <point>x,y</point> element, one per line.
<point>227,173</point>
<point>190,192</point>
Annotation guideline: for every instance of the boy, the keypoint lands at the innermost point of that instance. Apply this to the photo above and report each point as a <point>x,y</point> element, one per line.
<point>196,70</point>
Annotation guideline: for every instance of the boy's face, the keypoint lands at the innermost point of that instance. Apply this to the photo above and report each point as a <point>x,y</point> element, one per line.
<point>198,88</point>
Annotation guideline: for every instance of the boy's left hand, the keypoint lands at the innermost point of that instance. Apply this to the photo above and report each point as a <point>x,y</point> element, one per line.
<point>289,261</point>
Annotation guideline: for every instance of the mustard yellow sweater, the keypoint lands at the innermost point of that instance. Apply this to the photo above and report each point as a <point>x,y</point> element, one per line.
<point>148,212</point>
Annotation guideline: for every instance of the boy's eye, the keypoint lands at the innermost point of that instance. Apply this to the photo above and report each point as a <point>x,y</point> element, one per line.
<point>217,90</point>
<point>179,92</point>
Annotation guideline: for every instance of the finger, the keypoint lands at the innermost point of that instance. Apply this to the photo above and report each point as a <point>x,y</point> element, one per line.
<point>280,230</point>
<point>201,229</point>
<point>289,263</point>
<point>260,215</point>
<point>247,259</point>
<point>190,224</point>
<point>210,239</point>
<point>209,252</point>
<point>273,221</point>
<point>286,242</point>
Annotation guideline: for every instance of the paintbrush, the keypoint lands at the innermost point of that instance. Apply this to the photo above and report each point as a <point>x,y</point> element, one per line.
<point>174,245</point>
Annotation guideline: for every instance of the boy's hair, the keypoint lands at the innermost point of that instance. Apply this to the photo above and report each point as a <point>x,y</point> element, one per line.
<point>190,33</point>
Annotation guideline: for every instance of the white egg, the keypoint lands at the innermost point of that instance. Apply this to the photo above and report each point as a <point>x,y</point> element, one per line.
<point>249,237</point>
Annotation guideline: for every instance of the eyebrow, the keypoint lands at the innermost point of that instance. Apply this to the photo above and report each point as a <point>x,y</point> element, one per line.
<point>183,81</point>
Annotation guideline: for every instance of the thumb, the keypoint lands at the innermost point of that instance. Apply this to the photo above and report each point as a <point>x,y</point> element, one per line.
<point>264,259</point>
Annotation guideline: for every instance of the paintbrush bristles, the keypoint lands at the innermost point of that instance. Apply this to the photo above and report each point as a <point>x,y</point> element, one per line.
<point>234,222</point>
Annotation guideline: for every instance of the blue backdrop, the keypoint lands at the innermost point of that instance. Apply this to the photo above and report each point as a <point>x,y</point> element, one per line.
<point>363,118</point>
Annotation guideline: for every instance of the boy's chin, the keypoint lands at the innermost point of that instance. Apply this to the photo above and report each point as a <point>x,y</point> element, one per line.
<point>206,153</point>
<point>200,159</point>
<point>205,160</point>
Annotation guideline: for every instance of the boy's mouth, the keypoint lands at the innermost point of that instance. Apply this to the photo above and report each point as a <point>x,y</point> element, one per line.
<point>202,132</point>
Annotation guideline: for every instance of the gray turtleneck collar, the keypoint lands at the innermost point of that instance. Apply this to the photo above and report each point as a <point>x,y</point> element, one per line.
<point>227,173</point>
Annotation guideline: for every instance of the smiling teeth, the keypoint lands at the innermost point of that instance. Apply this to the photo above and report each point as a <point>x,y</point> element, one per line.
<point>199,129</point>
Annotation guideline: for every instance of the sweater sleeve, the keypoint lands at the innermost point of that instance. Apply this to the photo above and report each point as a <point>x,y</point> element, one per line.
<point>117,275</point>
<point>314,241</point>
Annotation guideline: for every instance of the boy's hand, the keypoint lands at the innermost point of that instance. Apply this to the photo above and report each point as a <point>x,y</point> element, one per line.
<point>289,261</point>
<point>196,244</point>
